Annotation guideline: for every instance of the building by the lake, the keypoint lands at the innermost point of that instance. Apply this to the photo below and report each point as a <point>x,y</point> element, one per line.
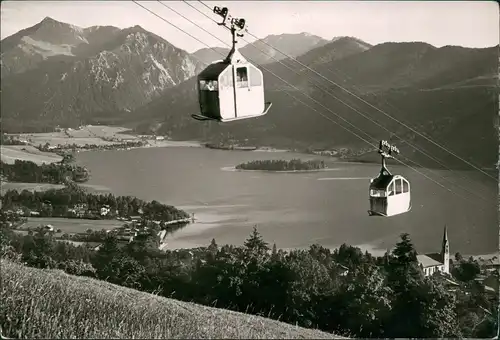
<point>437,262</point>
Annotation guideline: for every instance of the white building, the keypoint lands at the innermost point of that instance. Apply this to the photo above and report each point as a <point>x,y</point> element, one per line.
<point>49,227</point>
<point>105,210</point>
<point>437,262</point>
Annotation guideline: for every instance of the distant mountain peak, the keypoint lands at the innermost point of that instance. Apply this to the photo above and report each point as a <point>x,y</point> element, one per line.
<point>406,43</point>
<point>53,22</point>
<point>49,19</point>
<point>138,28</point>
<point>289,35</point>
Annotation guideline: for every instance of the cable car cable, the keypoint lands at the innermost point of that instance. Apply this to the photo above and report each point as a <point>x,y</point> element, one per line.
<point>361,99</point>
<point>398,160</point>
<point>332,95</point>
<point>418,165</point>
<point>319,112</point>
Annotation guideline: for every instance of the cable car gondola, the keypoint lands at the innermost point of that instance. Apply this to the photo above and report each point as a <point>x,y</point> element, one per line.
<point>231,89</point>
<point>389,194</point>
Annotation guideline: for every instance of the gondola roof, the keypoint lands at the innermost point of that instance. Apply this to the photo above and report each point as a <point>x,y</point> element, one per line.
<point>381,182</point>
<point>212,71</point>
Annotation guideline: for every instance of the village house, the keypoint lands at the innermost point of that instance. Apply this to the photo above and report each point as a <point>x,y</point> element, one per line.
<point>343,269</point>
<point>436,262</point>
<point>79,209</point>
<point>48,227</point>
<point>105,209</point>
<point>490,283</point>
<point>489,264</point>
<point>489,273</point>
<point>80,206</point>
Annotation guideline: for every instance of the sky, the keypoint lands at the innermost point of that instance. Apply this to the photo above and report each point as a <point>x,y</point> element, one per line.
<point>465,23</point>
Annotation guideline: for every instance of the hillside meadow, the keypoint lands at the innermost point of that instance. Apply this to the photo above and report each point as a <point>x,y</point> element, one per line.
<point>41,304</point>
<point>10,153</point>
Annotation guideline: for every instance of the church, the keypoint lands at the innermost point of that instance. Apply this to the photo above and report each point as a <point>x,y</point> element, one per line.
<point>434,262</point>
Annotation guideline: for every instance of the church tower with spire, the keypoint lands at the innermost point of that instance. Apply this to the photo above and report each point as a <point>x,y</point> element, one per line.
<point>445,251</point>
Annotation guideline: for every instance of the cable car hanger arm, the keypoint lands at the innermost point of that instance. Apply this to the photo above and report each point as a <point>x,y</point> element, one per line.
<point>386,154</point>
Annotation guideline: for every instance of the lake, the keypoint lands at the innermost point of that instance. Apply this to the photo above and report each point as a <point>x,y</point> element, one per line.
<point>296,210</point>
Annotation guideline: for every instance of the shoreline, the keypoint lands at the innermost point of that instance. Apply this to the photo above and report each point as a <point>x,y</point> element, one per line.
<point>180,243</point>
<point>175,245</point>
<point>114,138</point>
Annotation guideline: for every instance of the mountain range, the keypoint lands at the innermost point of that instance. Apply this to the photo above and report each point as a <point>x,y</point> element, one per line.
<point>55,73</point>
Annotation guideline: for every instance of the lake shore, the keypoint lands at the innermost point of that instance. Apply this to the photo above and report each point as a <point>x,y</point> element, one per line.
<point>318,201</point>
<point>93,138</point>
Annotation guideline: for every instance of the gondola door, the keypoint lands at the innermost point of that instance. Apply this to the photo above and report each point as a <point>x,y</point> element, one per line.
<point>243,93</point>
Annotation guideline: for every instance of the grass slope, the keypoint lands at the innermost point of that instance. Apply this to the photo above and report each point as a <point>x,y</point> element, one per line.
<point>9,153</point>
<point>37,303</point>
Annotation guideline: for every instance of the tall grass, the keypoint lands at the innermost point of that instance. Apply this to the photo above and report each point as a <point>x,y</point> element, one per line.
<point>37,303</point>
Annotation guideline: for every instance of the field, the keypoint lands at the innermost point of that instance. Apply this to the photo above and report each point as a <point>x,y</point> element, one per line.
<point>71,225</point>
<point>19,186</point>
<point>94,135</point>
<point>6,186</point>
<point>100,131</point>
<point>50,304</point>
<point>27,153</point>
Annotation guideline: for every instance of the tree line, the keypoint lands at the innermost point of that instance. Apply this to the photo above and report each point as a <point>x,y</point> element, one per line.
<point>282,165</point>
<point>384,296</point>
<point>54,173</point>
<point>74,146</point>
<point>5,139</point>
<point>62,203</point>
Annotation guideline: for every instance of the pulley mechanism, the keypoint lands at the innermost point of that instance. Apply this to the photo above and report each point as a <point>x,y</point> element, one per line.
<point>386,153</point>
<point>236,25</point>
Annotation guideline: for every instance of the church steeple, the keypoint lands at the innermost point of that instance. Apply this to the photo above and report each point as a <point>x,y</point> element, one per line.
<point>445,251</point>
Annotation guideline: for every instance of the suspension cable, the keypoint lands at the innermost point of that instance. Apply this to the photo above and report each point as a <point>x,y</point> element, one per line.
<point>479,196</point>
<point>361,99</point>
<point>319,112</point>
<point>332,95</point>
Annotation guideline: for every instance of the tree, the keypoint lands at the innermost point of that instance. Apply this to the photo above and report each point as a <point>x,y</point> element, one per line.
<point>438,318</point>
<point>466,271</point>
<point>255,243</point>
<point>107,251</point>
<point>404,278</point>
<point>421,306</point>
<point>213,248</point>
<point>403,265</point>
<point>362,303</point>
<point>350,256</point>
<point>126,271</point>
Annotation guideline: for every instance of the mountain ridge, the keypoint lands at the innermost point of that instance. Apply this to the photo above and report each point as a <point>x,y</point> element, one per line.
<point>73,74</point>
<point>114,70</point>
<point>412,84</point>
<point>133,77</point>
<point>290,43</point>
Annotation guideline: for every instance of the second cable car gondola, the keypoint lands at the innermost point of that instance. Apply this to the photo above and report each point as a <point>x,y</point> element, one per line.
<point>231,89</point>
<point>389,194</point>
